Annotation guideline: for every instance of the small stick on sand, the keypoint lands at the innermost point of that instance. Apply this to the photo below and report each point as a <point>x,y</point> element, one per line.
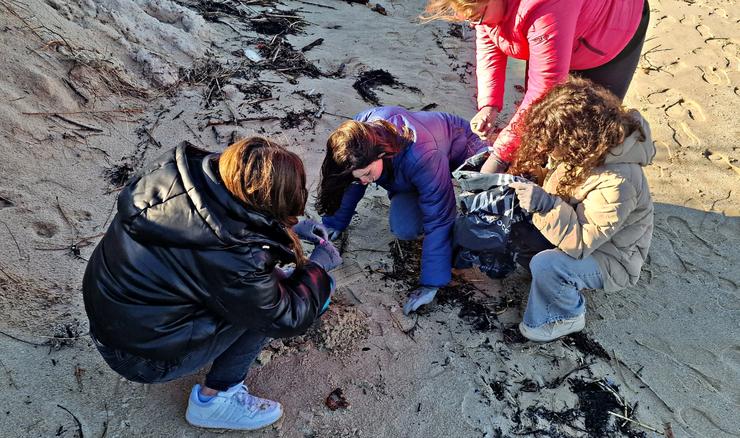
<point>36,344</point>
<point>56,113</point>
<point>77,421</point>
<point>18,247</point>
<point>78,124</point>
<point>644,426</point>
<point>214,122</point>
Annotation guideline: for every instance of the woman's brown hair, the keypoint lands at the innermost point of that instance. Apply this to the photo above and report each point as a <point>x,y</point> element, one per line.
<point>575,123</point>
<point>267,178</point>
<point>355,145</point>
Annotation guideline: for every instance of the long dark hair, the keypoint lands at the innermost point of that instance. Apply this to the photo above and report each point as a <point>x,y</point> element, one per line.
<point>576,123</point>
<point>354,145</point>
<point>268,178</point>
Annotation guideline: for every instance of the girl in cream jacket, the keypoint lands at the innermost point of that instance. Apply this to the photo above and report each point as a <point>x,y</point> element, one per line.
<point>592,218</point>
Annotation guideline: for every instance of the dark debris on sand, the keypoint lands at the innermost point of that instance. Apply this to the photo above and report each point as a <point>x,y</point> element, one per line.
<point>282,57</point>
<point>215,10</point>
<point>596,397</point>
<point>368,80</point>
<point>214,75</point>
<point>589,347</point>
<point>277,22</point>
<point>118,174</point>
<point>456,30</point>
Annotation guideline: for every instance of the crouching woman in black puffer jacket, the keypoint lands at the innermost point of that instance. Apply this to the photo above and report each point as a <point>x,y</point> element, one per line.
<point>186,275</point>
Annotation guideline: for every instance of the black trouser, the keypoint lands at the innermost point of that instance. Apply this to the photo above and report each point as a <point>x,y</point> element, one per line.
<point>616,74</point>
<point>232,352</point>
<point>526,242</point>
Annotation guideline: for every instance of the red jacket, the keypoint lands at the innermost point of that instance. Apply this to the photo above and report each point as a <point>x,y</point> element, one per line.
<point>555,36</point>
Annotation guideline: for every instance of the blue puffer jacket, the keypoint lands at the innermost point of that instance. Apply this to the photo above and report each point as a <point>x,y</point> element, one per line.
<point>442,142</point>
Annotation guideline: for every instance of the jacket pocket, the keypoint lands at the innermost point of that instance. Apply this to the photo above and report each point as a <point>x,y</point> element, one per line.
<point>588,46</point>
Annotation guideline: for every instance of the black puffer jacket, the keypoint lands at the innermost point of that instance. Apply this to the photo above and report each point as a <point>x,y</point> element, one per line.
<point>183,260</point>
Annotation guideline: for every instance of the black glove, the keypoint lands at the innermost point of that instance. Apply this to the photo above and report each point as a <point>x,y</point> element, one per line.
<point>326,256</point>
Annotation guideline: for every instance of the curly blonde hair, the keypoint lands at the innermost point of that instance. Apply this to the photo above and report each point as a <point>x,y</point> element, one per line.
<point>575,123</point>
<point>451,10</point>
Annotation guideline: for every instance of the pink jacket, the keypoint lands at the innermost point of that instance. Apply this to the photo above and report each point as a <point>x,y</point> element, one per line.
<point>555,36</point>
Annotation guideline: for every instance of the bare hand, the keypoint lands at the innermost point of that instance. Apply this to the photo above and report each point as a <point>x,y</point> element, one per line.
<point>483,123</point>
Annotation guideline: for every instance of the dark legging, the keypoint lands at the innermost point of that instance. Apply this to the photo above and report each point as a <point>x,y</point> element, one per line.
<point>232,352</point>
<point>616,74</point>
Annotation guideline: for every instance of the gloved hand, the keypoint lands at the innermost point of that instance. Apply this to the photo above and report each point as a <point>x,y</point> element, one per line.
<point>533,198</point>
<point>311,231</point>
<point>326,255</point>
<point>494,164</point>
<point>284,273</point>
<point>419,297</point>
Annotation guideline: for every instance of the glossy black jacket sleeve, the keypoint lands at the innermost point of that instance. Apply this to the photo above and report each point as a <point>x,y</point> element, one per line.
<point>263,300</point>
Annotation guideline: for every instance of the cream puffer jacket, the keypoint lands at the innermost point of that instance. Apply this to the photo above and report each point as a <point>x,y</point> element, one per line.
<point>610,216</point>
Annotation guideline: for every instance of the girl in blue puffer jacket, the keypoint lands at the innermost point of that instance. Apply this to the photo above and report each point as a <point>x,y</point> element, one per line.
<point>411,155</point>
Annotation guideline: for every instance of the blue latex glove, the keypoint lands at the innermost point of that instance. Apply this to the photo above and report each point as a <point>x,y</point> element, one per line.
<point>419,297</point>
<point>326,255</point>
<point>533,198</point>
<point>311,231</point>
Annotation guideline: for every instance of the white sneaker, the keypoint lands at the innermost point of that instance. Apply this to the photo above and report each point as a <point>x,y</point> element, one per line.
<point>234,408</point>
<point>551,331</point>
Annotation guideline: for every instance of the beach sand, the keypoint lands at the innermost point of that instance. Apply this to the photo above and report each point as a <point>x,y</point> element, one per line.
<point>91,91</point>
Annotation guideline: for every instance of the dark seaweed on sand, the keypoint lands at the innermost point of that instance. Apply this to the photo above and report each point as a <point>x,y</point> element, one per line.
<point>367,81</point>
<point>119,174</point>
<point>586,345</point>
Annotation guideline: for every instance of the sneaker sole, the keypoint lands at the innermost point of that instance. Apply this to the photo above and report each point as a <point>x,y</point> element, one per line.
<point>544,340</point>
<point>221,428</point>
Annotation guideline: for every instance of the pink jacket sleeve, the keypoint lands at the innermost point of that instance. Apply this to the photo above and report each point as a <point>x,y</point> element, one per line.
<point>550,38</point>
<point>490,70</point>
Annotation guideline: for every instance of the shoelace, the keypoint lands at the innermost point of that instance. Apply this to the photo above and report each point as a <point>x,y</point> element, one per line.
<point>250,402</point>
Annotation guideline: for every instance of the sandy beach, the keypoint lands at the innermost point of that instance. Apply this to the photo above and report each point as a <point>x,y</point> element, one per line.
<point>91,91</point>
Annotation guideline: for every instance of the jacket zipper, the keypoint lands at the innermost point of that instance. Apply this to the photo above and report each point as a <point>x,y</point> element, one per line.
<point>590,47</point>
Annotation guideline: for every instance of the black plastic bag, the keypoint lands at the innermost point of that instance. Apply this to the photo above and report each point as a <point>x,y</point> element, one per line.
<point>481,235</point>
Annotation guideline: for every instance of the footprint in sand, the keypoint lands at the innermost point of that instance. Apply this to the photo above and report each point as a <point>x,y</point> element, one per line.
<point>45,229</point>
<point>723,161</point>
<point>708,368</point>
<point>731,359</point>
<point>727,294</point>
<point>704,30</point>
<point>683,229</point>
<point>704,423</point>
<point>714,75</point>
<point>680,107</point>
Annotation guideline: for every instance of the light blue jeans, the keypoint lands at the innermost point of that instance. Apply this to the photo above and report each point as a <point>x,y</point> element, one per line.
<point>557,281</point>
